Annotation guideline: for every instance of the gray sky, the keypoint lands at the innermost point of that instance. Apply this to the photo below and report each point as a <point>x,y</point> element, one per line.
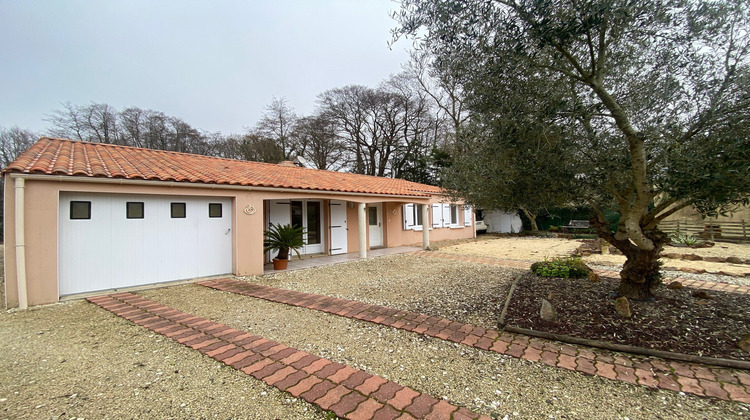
<point>215,64</point>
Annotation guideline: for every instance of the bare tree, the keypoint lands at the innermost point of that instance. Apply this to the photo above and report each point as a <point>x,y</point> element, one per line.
<point>250,147</point>
<point>13,142</point>
<point>94,123</point>
<point>318,143</point>
<point>277,123</point>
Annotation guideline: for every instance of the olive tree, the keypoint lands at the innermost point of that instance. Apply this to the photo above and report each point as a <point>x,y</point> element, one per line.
<point>654,100</point>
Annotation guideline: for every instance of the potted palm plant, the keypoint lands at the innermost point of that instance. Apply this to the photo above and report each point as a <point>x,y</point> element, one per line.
<point>282,238</point>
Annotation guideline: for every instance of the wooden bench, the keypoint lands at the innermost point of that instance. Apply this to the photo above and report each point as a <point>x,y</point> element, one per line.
<point>577,225</point>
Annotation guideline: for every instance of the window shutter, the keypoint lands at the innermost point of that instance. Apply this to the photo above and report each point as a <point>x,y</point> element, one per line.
<point>437,216</point>
<point>467,216</point>
<point>446,215</point>
<point>408,216</point>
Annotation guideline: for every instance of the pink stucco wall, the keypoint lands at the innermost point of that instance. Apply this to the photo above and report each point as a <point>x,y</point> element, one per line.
<point>41,226</point>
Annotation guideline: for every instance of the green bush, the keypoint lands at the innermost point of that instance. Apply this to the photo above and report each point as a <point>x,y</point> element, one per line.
<point>571,267</point>
<point>688,240</point>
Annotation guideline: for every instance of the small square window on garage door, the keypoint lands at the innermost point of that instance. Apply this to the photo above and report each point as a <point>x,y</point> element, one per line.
<point>80,210</point>
<point>214,209</point>
<point>134,209</point>
<point>178,210</point>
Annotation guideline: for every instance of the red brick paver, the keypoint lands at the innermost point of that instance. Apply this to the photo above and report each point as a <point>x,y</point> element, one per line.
<point>723,383</point>
<point>348,392</point>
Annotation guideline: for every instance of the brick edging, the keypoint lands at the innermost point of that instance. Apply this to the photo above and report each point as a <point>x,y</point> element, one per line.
<point>518,264</point>
<point>726,384</point>
<point>350,393</point>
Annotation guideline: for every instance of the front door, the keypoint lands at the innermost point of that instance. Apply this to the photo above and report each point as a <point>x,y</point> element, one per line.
<point>338,227</point>
<point>309,214</point>
<point>375,220</point>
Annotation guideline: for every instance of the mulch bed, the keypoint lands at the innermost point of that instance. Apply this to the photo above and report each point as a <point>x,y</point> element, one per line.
<point>676,321</point>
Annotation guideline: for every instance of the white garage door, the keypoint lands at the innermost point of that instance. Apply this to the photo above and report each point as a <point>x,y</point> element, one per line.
<point>110,241</point>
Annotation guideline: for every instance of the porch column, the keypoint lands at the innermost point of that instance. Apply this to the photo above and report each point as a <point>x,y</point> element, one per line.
<point>362,218</point>
<point>426,226</point>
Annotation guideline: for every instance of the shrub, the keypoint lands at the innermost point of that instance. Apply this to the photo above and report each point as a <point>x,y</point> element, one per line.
<point>687,240</point>
<point>571,267</point>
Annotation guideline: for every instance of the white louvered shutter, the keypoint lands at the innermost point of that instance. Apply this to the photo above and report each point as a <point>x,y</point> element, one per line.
<point>446,215</point>
<point>437,216</point>
<point>408,216</point>
<point>467,216</point>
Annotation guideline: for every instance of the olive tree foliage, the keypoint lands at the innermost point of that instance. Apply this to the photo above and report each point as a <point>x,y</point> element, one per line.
<point>655,99</point>
<point>508,156</point>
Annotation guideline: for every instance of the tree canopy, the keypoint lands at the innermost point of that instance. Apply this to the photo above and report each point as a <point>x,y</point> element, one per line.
<point>649,101</point>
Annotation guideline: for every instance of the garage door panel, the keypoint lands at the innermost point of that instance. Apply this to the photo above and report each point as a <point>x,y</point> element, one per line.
<point>111,251</point>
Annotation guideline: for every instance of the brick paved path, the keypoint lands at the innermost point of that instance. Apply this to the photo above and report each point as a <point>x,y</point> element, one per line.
<point>699,284</point>
<point>727,384</point>
<point>348,392</point>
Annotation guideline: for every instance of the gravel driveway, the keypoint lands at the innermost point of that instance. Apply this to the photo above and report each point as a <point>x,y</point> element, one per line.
<point>75,360</point>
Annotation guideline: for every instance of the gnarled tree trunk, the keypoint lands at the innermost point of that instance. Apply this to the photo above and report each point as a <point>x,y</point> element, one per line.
<point>641,272</point>
<point>532,219</point>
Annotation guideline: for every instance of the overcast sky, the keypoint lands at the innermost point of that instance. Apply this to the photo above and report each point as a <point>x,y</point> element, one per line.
<point>215,64</point>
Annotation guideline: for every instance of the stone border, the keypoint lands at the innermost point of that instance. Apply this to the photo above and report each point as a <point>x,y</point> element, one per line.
<point>726,384</point>
<point>349,393</point>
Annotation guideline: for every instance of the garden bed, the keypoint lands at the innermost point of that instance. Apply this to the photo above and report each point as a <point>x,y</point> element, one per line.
<point>676,321</point>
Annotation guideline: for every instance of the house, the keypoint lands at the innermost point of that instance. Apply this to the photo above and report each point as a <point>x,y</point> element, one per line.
<point>88,217</point>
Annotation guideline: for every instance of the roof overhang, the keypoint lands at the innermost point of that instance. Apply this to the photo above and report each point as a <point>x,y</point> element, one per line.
<point>173,184</point>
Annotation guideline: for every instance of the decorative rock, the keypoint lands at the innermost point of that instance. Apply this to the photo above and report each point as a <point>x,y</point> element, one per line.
<point>593,277</point>
<point>701,294</point>
<point>693,270</point>
<point>692,257</point>
<point>734,260</point>
<point>744,344</point>
<point>675,285</point>
<point>622,307</point>
<point>547,312</point>
<point>715,259</point>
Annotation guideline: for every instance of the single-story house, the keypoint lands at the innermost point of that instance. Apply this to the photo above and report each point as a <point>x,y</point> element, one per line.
<point>88,217</point>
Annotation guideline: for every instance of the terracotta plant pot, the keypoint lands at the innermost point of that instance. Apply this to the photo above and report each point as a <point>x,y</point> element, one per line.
<point>280,264</point>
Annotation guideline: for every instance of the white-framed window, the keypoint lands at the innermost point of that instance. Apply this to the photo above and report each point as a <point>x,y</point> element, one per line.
<point>413,216</point>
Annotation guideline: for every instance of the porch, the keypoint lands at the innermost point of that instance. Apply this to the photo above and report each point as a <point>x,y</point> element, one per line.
<point>319,260</point>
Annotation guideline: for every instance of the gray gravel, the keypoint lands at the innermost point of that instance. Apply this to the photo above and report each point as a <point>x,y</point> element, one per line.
<point>464,292</point>
<point>75,360</point>
<point>483,381</point>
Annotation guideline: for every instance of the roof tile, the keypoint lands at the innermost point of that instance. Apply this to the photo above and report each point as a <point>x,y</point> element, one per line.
<point>67,157</point>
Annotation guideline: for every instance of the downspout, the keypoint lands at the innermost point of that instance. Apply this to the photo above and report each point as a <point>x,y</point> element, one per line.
<point>362,220</point>
<point>23,302</point>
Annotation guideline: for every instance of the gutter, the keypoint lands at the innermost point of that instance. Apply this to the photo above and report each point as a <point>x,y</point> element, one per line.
<point>125,181</point>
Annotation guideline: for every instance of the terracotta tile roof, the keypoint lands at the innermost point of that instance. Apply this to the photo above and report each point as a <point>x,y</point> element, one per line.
<point>73,158</point>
